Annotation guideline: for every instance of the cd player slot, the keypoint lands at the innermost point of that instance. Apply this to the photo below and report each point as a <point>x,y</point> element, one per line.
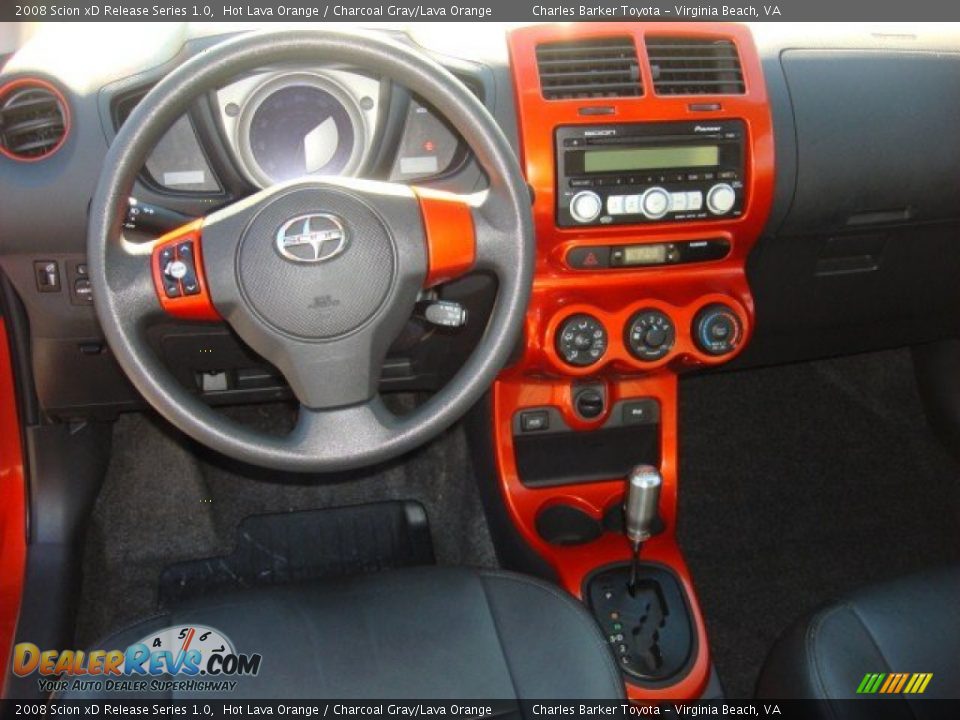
<point>594,141</point>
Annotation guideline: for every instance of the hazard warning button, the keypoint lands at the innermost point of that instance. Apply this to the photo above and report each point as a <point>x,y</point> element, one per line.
<point>589,257</point>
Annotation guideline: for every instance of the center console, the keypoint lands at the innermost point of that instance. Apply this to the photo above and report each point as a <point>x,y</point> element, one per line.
<point>649,151</point>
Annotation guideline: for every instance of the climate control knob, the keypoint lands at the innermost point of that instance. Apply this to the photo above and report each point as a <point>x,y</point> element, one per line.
<point>585,206</point>
<point>650,335</point>
<point>717,330</point>
<point>655,203</point>
<point>721,198</point>
<point>581,340</point>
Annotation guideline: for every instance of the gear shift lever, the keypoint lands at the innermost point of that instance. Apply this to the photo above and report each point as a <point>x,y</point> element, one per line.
<point>640,511</point>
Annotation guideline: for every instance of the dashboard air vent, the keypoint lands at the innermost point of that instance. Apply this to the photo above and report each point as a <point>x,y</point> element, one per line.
<point>34,120</point>
<point>690,66</point>
<point>592,68</point>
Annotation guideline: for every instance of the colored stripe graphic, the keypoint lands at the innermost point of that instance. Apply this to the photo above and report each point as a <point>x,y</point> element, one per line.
<point>872,683</point>
<point>894,683</point>
<point>918,683</point>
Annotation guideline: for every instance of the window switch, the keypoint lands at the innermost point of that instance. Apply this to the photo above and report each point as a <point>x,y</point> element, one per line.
<point>47,273</point>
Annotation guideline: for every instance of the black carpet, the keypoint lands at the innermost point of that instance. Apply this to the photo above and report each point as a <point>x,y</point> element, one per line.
<point>167,500</point>
<point>800,483</point>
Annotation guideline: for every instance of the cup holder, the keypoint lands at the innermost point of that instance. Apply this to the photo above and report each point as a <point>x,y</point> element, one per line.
<point>567,525</point>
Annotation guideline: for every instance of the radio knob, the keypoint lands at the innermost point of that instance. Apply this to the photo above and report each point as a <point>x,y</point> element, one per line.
<point>585,206</point>
<point>721,199</point>
<point>655,203</point>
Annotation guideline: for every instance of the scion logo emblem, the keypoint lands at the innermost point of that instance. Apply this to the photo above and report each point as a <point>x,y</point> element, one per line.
<point>311,238</point>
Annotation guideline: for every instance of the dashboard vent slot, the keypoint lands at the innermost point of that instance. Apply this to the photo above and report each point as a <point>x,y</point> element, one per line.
<point>688,66</point>
<point>34,120</point>
<point>593,68</point>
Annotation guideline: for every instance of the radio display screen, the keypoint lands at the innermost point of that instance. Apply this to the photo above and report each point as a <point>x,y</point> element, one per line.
<point>651,158</point>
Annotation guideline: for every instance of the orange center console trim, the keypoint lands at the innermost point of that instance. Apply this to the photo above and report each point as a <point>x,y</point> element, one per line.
<point>13,508</point>
<point>540,378</point>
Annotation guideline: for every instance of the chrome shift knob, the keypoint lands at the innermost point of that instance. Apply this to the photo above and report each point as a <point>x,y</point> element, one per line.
<point>640,506</point>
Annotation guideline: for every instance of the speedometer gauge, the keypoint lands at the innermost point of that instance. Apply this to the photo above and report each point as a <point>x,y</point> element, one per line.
<point>300,125</point>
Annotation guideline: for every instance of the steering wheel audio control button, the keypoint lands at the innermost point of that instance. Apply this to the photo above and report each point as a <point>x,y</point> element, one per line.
<point>166,257</point>
<point>175,270</point>
<point>650,335</point>
<point>581,340</point>
<point>177,274</point>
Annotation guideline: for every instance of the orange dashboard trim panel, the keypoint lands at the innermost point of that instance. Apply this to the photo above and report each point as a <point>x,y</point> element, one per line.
<point>539,378</point>
<point>538,119</point>
<point>451,241</point>
<point>13,508</point>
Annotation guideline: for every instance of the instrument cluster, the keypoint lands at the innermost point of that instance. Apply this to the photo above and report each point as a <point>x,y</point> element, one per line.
<point>288,124</point>
<point>283,124</point>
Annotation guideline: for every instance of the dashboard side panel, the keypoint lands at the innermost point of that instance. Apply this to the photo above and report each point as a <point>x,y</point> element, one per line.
<point>864,256</point>
<point>13,514</point>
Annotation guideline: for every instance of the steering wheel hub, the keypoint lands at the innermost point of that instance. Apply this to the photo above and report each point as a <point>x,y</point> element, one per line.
<point>316,263</point>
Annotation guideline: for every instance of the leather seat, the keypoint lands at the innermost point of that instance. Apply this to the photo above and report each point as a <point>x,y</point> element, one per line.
<point>425,633</point>
<point>911,625</point>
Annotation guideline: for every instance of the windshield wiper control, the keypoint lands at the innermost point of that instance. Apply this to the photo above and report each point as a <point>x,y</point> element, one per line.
<point>152,218</point>
<point>640,512</point>
<point>443,313</point>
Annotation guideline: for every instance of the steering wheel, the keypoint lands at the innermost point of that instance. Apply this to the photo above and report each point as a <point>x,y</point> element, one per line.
<point>318,276</point>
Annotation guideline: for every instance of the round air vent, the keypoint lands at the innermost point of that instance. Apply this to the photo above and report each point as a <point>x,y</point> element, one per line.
<point>34,119</point>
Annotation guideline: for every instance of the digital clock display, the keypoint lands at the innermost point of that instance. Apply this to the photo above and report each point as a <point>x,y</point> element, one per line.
<point>645,255</point>
<point>651,158</point>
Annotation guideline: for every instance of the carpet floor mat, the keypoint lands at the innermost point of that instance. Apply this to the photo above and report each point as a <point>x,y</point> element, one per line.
<point>283,548</point>
<point>167,500</point>
<point>801,483</point>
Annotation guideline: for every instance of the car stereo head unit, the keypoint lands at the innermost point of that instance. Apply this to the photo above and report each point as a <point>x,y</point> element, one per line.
<point>649,172</point>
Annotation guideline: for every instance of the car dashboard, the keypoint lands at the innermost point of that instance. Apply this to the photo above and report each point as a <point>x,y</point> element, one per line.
<point>705,197</point>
